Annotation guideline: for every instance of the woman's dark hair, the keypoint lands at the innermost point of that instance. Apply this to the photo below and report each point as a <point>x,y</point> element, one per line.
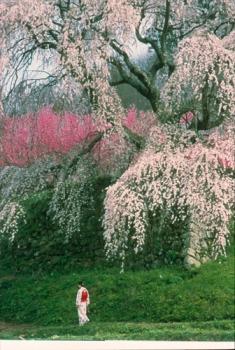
<point>80,283</point>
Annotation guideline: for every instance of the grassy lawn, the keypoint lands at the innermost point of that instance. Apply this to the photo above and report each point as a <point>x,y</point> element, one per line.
<point>195,331</point>
<point>165,303</point>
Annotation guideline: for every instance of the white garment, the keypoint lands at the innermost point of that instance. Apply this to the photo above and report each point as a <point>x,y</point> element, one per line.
<point>82,316</point>
<point>82,306</point>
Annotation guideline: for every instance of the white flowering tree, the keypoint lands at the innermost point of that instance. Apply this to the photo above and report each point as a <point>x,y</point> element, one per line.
<point>188,48</point>
<point>203,82</point>
<point>84,37</point>
<point>182,179</point>
<point>69,192</point>
<point>62,154</point>
<point>16,184</point>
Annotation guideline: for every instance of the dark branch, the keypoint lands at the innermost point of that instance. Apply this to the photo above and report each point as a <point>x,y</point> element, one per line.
<point>134,69</point>
<point>135,139</point>
<point>118,82</point>
<point>129,79</point>
<point>86,149</point>
<point>223,23</point>
<point>165,27</point>
<point>147,40</point>
<point>181,36</point>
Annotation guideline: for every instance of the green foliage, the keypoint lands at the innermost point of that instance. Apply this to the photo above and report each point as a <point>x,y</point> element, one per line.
<point>164,294</point>
<point>164,244</point>
<point>41,244</point>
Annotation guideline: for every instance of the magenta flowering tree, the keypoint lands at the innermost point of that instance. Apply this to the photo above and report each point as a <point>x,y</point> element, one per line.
<point>187,178</point>
<point>34,136</point>
<point>62,152</point>
<point>31,137</point>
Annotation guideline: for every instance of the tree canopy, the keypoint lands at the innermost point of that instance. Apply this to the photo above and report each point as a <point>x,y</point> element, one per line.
<point>83,39</point>
<point>61,62</point>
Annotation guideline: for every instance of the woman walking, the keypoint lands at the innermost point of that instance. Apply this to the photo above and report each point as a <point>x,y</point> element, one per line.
<point>82,302</point>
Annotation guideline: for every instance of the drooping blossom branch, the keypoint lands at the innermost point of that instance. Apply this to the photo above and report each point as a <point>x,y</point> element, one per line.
<point>82,39</point>
<point>184,176</point>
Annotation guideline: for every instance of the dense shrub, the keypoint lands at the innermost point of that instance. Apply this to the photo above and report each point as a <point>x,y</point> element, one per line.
<point>40,244</point>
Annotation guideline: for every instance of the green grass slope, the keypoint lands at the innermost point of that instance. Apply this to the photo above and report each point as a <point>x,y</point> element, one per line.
<point>166,294</point>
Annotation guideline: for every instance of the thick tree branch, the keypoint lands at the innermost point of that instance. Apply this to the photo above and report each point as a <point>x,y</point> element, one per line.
<point>89,145</point>
<point>160,50</point>
<point>134,69</point>
<point>165,28</point>
<point>118,82</point>
<point>129,79</point>
<point>135,139</point>
<point>156,66</point>
<point>147,40</point>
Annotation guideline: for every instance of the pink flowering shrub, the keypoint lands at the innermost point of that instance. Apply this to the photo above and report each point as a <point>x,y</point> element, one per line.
<point>140,123</point>
<point>182,176</point>
<point>28,138</point>
<point>25,139</point>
